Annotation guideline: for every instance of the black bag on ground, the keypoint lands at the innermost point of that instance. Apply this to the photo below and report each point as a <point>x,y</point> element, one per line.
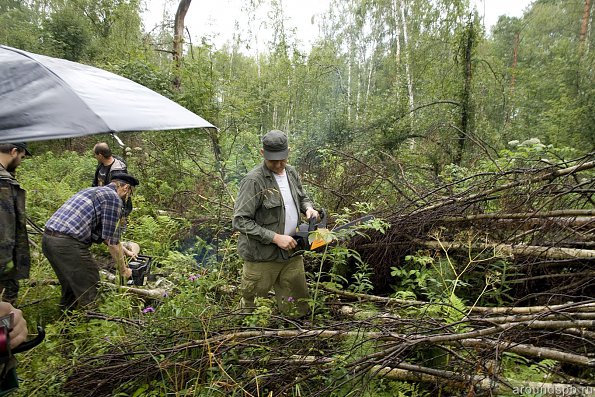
<point>141,267</point>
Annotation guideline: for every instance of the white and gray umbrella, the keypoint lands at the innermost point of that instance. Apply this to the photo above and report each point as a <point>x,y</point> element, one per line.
<point>49,98</point>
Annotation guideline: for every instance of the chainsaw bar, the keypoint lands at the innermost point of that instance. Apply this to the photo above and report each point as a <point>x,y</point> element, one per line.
<point>318,243</point>
<point>321,243</point>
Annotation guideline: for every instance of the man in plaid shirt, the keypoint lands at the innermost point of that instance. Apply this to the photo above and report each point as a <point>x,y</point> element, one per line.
<point>90,216</point>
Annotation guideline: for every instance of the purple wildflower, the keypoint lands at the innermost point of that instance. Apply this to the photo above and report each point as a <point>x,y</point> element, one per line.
<point>290,299</point>
<point>194,277</point>
<point>148,309</point>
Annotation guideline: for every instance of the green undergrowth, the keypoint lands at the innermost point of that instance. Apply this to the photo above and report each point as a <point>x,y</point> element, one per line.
<point>155,346</point>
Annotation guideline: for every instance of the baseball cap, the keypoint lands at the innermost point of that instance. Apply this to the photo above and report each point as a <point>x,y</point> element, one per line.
<point>22,146</point>
<point>275,145</point>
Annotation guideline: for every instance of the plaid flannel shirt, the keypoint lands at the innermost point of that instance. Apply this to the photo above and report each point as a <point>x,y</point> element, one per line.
<point>95,210</point>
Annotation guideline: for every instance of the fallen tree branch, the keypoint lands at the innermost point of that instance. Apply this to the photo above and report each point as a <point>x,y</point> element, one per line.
<point>564,214</point>
<point>466,338</point>
<point>511,250</point>
<point>417,373</point>
<point>371,298</point>
<point>154,293</point>
<point>575,306</point>
<point>105,317</point>
<point>412,373</point>
<point>520,318</point>
<point>517,348</point>
<point>532,351</point>
<point>486,193</point>
<point>588,274</point>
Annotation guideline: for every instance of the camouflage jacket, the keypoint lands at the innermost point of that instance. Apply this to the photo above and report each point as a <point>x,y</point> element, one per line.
<point>14,242</point>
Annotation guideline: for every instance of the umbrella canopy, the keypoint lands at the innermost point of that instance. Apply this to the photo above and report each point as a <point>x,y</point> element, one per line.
<point>49,98</point>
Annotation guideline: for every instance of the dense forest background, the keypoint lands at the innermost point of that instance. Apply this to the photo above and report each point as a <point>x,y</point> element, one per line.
<point>464,144</point>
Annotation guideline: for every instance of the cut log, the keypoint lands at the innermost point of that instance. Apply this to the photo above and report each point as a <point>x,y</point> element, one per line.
<point>512,250</point>
<point>565,215</point>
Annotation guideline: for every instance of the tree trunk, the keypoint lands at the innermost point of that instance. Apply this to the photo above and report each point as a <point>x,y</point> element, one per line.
<point>584,26</point>
<point>515,56</point>
<point>406,45</point>
<point>179,36</point>
<point>466,111</point>
<point>408,76</point>
<point>398,46</point>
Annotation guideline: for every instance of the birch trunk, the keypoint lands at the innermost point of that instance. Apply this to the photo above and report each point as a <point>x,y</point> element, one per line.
<point>511,250</point>
<point>397,39</point>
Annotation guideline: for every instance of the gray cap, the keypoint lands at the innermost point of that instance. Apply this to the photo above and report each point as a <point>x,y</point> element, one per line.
<point>275,145</point>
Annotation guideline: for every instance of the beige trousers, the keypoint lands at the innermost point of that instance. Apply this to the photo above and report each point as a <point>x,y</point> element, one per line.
<point>287,279</point>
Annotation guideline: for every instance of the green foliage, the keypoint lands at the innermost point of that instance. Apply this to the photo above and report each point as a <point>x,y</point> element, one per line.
<point>145,73</point>
<point>499,283</point>
<point>157,235</point>
<point>361,278</point>
<point>150,389</point>
<point>486,279</point>
<point>69,33</point>
<point>522,369</point>
<point>261,316</point>
<point>18,25</point>
<point>195,299</point>
<point>359,346</point>
<point>425,277</point>
<point>339,256</point>
<point>412,279</point>
<point>34,365</point>
<point>50,179</point>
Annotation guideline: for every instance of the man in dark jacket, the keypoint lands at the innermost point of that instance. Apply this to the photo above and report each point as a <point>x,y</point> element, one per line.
<point>14,243</point>
<point>266,213</point>
<point>109,166</point>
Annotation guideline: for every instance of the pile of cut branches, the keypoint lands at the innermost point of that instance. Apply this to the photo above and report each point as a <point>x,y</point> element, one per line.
<point>433,344</point>
<point>536,222</point>
<point>541,219</point>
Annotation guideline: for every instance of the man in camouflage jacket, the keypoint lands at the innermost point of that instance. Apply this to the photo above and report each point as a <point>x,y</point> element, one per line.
<point>14,242</point>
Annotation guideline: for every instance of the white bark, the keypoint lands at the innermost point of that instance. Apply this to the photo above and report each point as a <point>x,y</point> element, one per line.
<point>511,250</point>
<point>407,60</point>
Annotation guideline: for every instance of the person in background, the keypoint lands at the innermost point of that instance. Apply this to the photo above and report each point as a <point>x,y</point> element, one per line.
<point>15,259</point>
<point>266,214</point>
<point>108,165</point>
<point>92,215</point>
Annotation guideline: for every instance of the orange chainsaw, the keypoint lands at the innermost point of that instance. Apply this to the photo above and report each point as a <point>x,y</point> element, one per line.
<point>314,234</point>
